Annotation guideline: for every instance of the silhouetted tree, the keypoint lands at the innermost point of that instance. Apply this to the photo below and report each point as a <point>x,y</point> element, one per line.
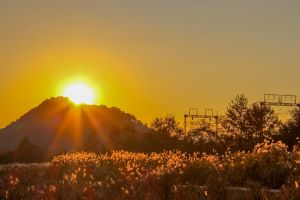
<point>201,131</point>
<point>248,125</point>
<point>163,135</point>
<point>27,152</point>
<point>235,120</point>
<point>262,122</point>
<point>126,139</point>
<point>290,132</point>
<point>167,124</point>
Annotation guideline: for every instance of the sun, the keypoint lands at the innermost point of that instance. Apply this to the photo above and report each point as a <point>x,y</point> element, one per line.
<point>79,93</point>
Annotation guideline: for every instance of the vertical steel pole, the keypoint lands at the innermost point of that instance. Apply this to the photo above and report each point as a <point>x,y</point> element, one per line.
<point>185,124</point>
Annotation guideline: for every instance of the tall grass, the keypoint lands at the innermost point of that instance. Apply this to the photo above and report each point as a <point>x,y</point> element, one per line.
<point>127,175</point>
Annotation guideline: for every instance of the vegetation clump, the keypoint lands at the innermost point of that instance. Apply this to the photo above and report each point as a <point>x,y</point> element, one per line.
<point>128,175</point>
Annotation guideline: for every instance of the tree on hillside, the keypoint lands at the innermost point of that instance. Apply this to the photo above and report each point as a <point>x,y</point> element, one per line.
<point>92,142</point>
<point>27,152</point>
<point>127,139</point>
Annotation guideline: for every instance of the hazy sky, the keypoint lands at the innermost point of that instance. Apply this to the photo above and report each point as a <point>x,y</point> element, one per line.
<point>148,57</point>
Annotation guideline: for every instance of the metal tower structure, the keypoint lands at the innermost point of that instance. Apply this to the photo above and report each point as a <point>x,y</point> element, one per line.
<point>208,114</point>
<point>280,100</point>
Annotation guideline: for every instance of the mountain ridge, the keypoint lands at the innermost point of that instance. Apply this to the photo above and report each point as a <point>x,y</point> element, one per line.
<point>59,125</point>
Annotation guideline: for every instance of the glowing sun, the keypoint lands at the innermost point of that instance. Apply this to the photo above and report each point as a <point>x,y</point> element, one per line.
<point>79,93</point>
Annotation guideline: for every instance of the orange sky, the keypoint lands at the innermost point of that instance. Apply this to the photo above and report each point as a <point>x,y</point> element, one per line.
<point>148,58</point>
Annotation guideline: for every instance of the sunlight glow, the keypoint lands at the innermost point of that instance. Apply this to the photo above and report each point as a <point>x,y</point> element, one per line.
<point>79,93</point>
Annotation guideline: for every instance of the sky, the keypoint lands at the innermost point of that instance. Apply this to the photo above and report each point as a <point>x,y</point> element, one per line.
<point>149,58</point>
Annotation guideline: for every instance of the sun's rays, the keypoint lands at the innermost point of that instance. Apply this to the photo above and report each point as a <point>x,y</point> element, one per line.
<point>96,126</point>
<point>70,129</point>
<point>76,123</point>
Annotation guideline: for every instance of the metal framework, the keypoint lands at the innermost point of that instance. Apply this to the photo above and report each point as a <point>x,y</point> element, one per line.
<point>280,100</point>
<point>208,114</point>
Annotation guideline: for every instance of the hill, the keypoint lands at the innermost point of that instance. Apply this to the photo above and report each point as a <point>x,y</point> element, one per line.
<point>59,125</point>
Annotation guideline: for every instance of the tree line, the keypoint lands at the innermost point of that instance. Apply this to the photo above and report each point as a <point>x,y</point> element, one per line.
<point>243,126</point>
